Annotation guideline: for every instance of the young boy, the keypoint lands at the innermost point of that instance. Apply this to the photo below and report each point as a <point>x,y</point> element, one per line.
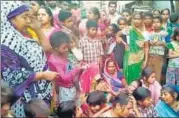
<point>36,108</point>
<point>157,48</point>
<point>144,101</point>
<point>148,21</point>
<point>6,100</point>
<point>91,47</point>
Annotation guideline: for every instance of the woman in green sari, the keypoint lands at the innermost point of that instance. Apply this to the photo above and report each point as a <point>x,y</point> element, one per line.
<point>136,55</point>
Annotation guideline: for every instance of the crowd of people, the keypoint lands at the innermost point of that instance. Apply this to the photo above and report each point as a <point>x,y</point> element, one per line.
<point>54,63</point>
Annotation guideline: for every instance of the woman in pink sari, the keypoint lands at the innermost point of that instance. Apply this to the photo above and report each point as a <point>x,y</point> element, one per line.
<point>45,16</point>
<point>93,14</point>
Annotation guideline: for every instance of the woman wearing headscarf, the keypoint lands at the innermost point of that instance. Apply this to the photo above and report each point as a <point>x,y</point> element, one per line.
<point>23,62</point>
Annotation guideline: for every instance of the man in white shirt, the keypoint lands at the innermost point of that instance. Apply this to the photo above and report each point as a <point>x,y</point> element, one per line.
<point>112,14</point>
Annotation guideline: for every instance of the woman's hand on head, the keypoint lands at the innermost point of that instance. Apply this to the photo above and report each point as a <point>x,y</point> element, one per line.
<point>50,75</point>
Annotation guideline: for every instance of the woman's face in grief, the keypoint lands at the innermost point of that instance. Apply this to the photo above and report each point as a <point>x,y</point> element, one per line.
<point>148,21</point>
<point>63,49</point>
<point>92,32</point>
<point>35,6</point>
<point>122,24</point>
<point>21,21</point>
<point>69,23</point>
<point>4,109</point>
<point>167,97</point>
<point>111,68</point>
<point>43,16</point>
<point>165,15</point>
<point>137,20</point>
<point>127,16</point>
<point>151,78</point>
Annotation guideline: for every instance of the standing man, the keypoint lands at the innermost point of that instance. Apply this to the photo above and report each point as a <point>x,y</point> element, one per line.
<point>112,14</point>
<point>53,6</point>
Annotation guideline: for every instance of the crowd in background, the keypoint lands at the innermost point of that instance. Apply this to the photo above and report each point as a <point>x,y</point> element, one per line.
<point>54,63</point>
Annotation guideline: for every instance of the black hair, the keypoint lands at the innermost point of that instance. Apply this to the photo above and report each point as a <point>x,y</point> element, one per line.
<point>158,17</point>
<point>138,13</point>
<point>35,107</point>
<point>49,12</point>
<point>99,80</point>
<point>146,72</point>
<point>164,10</point>
<point>141,93</point>
<point>58,38</point>
<point>156,10</point>
<point>176,33</point>
<point>171,90</point>
<point>64,15</point>
<point>115,28</point>
<point>40,2</point>
<point>122,18</point>
<point>126,10</point>
<point>96,98</point>
<point>174,17</point>
<point>66,109</point>
<point>95,11</point>
<point>149,14</point>
<point>91,23</point>
<point>122,99</point>
<point>6,95</point>
<point>112,2</point>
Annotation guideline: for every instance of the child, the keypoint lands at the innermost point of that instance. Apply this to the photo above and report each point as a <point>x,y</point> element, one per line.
<point>6,100</point>
<point>134,85</point>
<point>157,48</point>
<point>156,12</point>
<point>148,17</point>
<point>36,108</point>
<point>91,47</point>
<point>127,15</point>
<point>121,107</point>
<point>58,62</point>
<point>172,75</point>
<point>122,23</point>
<point>110,35</point>
<point>113,75</point>
<point>149,81</point>
<point>97,103</point>
<point>144,101</point>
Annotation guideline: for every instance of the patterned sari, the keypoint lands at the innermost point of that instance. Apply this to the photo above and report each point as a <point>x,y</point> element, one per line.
<point>133,58</point>
<point>21,58</point>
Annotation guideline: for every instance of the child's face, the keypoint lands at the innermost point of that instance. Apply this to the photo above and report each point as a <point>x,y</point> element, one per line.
<point>165,15</point>
<point>137,20</point>
<point>4,109</point>
<point>92,31</point>
<point>95,108</point>
<point>109,31</point>
<point>111,67</point>
<point>35,6</point>
<point>126,15</point>
<point>147,102</point>
<point>133,86</point>
<point>148,21</point>
<point>63,49</point>
<point>156,24</point>
<point>151,79</point>
<point>43,17</point>
<point>156,13</point>
<point>122,24</point>
<point>69,23</point>
<point>72,43</point>
<point>122,110</point>
<point>102,86</point>
<point>167,97</point>
<point>91,15</point>
<point>118,39</point>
